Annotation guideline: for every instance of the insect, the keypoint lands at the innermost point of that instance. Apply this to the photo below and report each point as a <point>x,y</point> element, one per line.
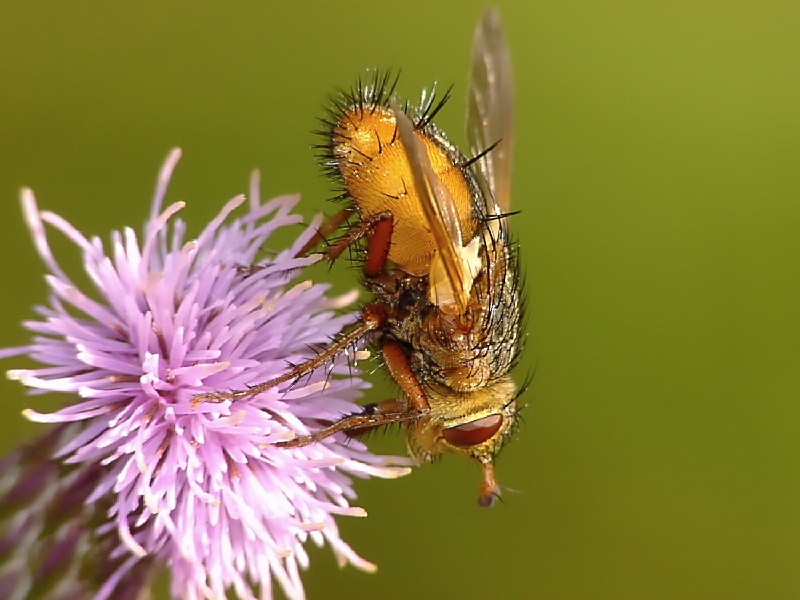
<point>437,257</point>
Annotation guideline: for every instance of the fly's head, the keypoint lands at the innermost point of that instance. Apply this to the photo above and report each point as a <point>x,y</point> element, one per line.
<point>474,425</point>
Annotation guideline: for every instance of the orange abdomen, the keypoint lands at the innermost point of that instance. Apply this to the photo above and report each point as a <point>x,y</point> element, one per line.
<point>373,165</point>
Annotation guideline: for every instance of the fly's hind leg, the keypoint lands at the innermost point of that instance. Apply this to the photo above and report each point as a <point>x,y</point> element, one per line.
<point>378,229</point>
<point>380,226</point>
<point>328,227</point>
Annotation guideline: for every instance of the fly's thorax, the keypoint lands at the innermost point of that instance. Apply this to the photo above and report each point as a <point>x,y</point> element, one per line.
<point>371,160</point>
<point>466,352</point>
<point>474,425</point>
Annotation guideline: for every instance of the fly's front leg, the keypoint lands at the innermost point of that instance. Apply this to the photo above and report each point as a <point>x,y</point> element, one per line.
<point>387,412</point>
<point>400,369</point>
<point>350,423</point>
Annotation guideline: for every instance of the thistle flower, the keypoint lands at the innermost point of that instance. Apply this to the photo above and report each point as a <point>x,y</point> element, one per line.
<point>53,543</point>
<point>201,489</point>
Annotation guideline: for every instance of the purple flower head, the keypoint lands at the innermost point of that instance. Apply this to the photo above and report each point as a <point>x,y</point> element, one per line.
<point>201,488</point>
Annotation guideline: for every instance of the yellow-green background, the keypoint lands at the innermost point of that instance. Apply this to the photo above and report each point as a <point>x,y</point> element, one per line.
<point>658,175</point>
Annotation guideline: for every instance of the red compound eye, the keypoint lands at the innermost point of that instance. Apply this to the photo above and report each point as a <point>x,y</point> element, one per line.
<point>474,432</point>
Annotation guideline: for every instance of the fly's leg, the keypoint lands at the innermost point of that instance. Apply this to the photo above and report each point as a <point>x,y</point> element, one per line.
<point>328,227</point>
<point>372,318</point>
<point>322,233</point>
<point>378,228</point>
<point>400,370</point>
<point>379,225</point>
<point>350,423</point>
<point>383,413</point>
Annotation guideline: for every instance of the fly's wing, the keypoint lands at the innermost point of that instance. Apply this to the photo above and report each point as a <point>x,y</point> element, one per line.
<point>438,206</point>
<point>490,112</point>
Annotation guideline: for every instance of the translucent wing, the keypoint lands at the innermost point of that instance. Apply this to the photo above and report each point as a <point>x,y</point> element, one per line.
<point>437,205</point>
<point>490,112</point>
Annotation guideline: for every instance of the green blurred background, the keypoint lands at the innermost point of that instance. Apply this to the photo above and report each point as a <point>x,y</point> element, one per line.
<point>658,175</point>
